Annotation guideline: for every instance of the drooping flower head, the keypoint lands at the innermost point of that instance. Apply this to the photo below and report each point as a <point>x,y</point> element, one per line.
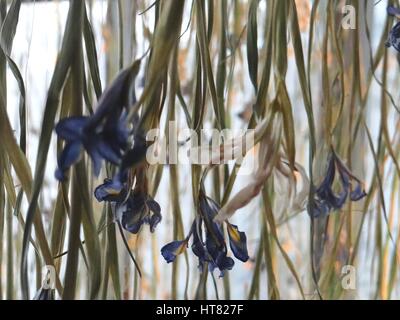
<point>215,242</point>
<point>140,209</point>
<point>133,208</point>
<point>104,135</point>
<point>237,242</point>
<point>171,250</point>
<point>208,240</point>
<point>326,198</point>
<point>111,191</point>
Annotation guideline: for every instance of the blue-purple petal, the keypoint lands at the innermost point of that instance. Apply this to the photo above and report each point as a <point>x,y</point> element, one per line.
<point>97,159</point>
<point>198,247</point>
<point>135,215</point>
<point>135,155</point>
<point>153,205</point>
<point>319,208</point>
<point>224,263</point>
<point>68,157</point>
<point>392,11</point>
<point>171,250</point>
<point>70,129</point>
<point>107,152</point>
<point>109,191</point>
<point>358,193</point>
<point>112,97</point>
<point>132,221</point>
<point>238,242</point>
<point>155,219</point>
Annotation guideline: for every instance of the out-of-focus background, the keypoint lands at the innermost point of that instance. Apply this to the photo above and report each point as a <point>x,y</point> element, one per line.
<point>35,50</point>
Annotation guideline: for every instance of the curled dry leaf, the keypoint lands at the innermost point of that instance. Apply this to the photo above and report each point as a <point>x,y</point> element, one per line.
<point>300,200</point>
<point>288,199</point>
<point>284,188</point>
<point>269,156</point>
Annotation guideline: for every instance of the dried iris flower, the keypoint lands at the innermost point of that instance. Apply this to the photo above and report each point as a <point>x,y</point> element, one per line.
<point>134,207</point>
<point>104,135</point>
<point>140,209</point>
<point>326,199</point>
<point>212,251</point>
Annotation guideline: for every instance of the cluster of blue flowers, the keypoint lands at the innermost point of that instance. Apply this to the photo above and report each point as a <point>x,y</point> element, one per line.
<point>137,207</point>
<point>108,135</point>
<point>104,135</point>
<point>214,250</point>
<point>326,199</point>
